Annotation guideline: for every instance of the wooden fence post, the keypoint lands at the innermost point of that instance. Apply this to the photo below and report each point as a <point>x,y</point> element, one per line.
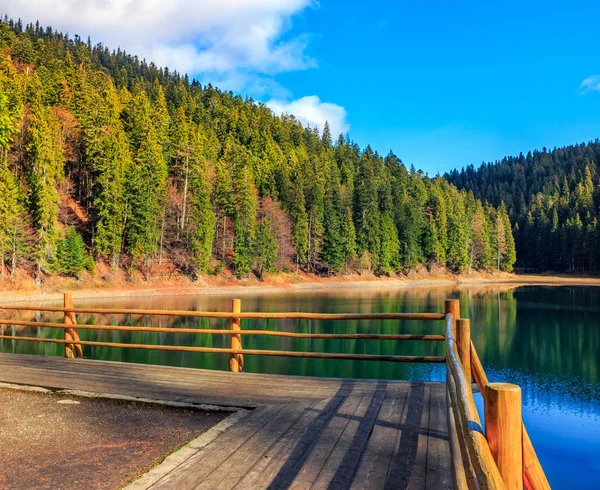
<point>463,340</point>
<point>71,333</point>
<point>453,306</point>
<point>504,431</point>
<point>236,361</point>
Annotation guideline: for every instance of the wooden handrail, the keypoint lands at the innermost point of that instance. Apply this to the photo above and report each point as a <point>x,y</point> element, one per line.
<point>477,369</point>
<point>478,450</point>
<point>268,333</point>
<point>459,472</point>
<point>232,315</point>
<point>218,350</point>
<point>456,429</point>
<point>236,352</point>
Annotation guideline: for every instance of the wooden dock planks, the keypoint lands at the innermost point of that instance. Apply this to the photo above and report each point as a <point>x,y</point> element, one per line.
<point>382,446</point>
<point>302,433</point>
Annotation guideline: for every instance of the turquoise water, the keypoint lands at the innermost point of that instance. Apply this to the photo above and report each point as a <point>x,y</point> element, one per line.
<point>546,339</point>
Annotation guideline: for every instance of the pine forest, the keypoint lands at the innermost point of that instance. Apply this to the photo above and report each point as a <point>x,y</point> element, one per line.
<point>553,200</point>
<point>106,158</point>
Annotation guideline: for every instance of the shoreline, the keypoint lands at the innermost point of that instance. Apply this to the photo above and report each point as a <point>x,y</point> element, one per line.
<point>306,284</point>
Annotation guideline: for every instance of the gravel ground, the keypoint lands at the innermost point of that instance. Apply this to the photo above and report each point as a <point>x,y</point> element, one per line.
<point>54,441</point>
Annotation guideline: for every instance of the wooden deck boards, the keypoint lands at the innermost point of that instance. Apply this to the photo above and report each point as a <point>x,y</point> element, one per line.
<point>303,432</point>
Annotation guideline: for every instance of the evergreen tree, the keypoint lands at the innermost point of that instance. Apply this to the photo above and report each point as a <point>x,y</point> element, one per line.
<point>44,171</point>
<point>144,196</point>
<point>480,250</point>
<point>326,138</point>
<point>245,222</point>
<point>367,215</point>
<point>12,220</point>
<point>333,252</point>
<point>300,229</point>
<point>546,194</point>
<point>509,256</point>
<point>266,248</point>
<point>8,121</point>
<point>71,255</point>
<point>201,222</point>
<point>389,256</point>
<point>348,237</point>
<point>591,255</point>
<point>458,245</point>
<point>107,154</point>
<point>223,200</point>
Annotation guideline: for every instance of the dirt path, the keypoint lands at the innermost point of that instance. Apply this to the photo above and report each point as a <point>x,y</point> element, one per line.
<point>54,441</point>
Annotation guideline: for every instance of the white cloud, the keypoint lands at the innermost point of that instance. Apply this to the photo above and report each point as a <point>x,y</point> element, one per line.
<point>236,45</point>
<point>192,36</point>
<point>310,110</point>
<point>590,84</point>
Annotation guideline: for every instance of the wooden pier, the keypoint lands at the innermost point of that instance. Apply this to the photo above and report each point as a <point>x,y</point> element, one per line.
<point>313,432</point>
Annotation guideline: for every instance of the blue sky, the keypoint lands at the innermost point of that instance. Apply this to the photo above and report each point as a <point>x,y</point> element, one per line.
<point>446,84</point>
<point>442,83</point>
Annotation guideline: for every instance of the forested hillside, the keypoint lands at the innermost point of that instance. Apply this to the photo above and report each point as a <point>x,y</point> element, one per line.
<point>553,198</point>
<point>106,158</point>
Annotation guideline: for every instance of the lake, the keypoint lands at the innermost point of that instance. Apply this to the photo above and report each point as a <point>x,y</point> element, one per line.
<point>545,339</point>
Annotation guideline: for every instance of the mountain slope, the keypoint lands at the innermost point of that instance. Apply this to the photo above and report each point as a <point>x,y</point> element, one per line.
<point>553,197</point>
<point>168,170</point>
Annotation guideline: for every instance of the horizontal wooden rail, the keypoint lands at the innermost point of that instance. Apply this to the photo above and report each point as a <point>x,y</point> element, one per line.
<point>478,372</point>
<point>461,429</point>
<point>268,333</point>
<point>232,315</point>
<point>218,350</point>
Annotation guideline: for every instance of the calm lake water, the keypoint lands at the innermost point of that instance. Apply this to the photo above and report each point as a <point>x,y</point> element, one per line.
<point>546,339</point>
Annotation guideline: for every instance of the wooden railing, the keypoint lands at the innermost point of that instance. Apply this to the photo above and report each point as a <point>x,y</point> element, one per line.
<point>501,457</point>
<point>236,351</point>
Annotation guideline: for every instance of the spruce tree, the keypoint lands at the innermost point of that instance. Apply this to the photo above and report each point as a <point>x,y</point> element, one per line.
<point>223,203</point>
<point>348,237</point>
<point>333,252</point>
<point>300,229</point>
<point>389,256</point>
<point>245,222</point>
<point>201,222</point>
<point>266,248</point>
<point>71,257</point>
<point>509,257</point>
<point>8,121</point>
<point>144,196</point>
<point>108,157</point>
<point>458,245</point>
<point>12,220</point>
<point>367,217</point>
<point>44,172</point>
